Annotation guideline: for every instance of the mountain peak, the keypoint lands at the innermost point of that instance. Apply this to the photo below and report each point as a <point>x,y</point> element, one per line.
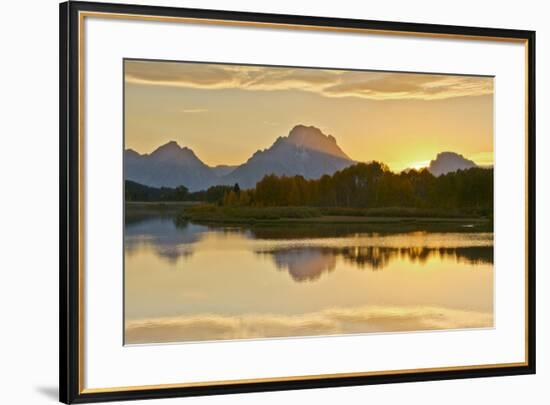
<point>446,162</point>
<point>313,138</point>
<point>303,134</point>
<point>171,150</point>
<point>171,145</point>
<point>306,152</point>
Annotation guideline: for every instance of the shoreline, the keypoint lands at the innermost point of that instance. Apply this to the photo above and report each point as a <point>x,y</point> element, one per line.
<point>199,213</point>
<point>344,220</point>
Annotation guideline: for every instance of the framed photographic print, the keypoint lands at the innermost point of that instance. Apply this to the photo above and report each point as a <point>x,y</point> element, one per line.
<point>255,202</point>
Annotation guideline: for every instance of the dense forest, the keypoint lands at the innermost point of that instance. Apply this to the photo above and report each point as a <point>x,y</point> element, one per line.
<point>363,185</point>
<point>373,185</point>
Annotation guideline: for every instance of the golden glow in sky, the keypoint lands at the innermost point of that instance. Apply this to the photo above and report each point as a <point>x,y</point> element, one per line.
<point>225,113</point>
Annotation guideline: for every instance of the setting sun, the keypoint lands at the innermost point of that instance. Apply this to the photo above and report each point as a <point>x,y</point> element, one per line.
<point>420,164</point>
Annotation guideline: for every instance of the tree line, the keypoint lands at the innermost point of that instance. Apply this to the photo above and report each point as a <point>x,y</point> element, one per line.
<point>372,185</point>
<point>134,191</point>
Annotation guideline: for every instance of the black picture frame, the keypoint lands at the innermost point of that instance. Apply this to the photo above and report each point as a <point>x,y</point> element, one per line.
<point>70,180</point>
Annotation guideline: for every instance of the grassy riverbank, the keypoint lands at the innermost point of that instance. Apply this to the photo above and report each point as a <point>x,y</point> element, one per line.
<point>137,211</point>
<point>314,215</point>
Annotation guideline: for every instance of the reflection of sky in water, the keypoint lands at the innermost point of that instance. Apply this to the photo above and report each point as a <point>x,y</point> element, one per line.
<point>193,278</point>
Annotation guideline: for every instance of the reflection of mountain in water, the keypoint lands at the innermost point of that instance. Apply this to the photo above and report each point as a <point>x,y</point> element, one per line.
<point>309,263</point>
<point>161,234</point>
<point>305,264</point>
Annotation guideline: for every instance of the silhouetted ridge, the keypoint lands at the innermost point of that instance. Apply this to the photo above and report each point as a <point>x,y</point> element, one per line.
<point>446,162</point>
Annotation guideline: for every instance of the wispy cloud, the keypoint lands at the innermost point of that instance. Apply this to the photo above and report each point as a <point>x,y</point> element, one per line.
<point>329,83</point>
<point>327,322</point>
<point>194,110</point>
<point>394,86</point>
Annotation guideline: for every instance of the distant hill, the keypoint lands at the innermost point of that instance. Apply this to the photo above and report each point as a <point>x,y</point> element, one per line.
<point>306,151</point>
<point>446,162</point>
<point>168,166</point>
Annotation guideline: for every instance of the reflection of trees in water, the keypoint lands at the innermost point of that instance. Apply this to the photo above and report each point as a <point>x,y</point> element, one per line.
<point>376,257</point>
<point>308,264</point>
<point>367,256</point>
<point>470,255</point>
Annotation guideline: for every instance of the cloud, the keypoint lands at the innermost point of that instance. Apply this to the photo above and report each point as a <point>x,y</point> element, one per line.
<point>194,110</point>
<point>392,86</point>
<point>329,83</point>
<point>328,322</point>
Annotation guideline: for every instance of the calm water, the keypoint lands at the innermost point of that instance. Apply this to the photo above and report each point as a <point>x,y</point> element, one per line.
<point>194,282</point>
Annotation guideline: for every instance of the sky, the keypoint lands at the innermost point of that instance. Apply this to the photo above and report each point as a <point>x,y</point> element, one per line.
<point>225,113</point>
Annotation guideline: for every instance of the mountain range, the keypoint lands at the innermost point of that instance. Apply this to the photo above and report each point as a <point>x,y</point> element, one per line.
<point>305,151</point>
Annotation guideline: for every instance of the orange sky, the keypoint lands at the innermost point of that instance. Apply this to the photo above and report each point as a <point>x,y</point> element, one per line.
<point>227,112</point>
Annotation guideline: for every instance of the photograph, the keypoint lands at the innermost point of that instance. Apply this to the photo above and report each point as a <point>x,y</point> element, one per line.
<point>282,202</point>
